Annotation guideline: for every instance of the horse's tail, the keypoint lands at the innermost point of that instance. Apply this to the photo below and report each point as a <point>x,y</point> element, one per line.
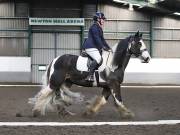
<point>42,102</point>
<point>46,100</point>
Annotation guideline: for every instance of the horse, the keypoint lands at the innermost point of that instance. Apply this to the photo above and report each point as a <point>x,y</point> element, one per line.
<point>68,69</point>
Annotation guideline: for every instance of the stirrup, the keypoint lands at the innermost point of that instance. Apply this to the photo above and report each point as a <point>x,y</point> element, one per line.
<point>90,78</point>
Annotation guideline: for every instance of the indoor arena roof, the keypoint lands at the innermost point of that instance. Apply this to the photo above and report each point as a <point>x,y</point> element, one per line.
<point>168,7</point>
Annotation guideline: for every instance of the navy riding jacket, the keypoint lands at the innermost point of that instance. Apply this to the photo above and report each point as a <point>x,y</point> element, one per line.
<point>95,38</point>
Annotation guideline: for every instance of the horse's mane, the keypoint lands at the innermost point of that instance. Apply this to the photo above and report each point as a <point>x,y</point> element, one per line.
<point>120,52</point>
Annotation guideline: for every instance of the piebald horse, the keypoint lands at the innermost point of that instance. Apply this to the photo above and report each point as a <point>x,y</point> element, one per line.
<point>66,70</point>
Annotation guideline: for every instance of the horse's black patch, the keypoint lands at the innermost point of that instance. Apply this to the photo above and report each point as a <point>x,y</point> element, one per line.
<point>121,51</point>
<point>97,77</point>
<point>103,75</point>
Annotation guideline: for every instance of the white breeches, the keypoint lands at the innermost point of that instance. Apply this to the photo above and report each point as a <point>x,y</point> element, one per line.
<point>94,53</point>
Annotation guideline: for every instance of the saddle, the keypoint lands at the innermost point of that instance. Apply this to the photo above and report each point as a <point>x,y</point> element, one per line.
<point>83,64</point>
<point>86,56</point>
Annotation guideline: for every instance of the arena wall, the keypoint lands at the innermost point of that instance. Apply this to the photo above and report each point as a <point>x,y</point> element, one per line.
<point>15,69</point>
<point>157,71</point>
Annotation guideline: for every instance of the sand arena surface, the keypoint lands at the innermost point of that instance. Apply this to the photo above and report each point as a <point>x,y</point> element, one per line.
<point>148,105</point>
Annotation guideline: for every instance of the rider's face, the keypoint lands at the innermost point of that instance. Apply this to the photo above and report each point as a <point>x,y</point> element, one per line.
<point>102,21</point>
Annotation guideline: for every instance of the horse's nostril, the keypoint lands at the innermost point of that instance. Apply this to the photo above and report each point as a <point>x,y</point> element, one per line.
<point>147,59</point>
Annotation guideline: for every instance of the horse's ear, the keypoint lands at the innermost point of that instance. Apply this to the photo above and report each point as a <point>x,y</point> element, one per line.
<point>137,34</point>
<point>140,35</point>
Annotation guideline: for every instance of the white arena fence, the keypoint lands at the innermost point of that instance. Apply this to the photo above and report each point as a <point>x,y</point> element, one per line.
<point>15,69</point>
<point>157,71</point>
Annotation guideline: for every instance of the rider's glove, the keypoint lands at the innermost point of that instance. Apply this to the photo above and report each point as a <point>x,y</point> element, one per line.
<point>106,48</point>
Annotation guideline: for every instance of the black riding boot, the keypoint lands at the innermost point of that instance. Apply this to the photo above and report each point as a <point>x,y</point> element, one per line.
<point>93,67</point>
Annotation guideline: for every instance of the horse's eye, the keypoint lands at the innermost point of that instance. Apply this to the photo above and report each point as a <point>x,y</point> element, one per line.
<point>139,44</point>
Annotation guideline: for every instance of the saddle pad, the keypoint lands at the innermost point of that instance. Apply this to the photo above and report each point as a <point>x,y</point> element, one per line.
<point>81,64</point>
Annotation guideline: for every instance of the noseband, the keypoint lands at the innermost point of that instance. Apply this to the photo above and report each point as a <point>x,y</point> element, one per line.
<point>130,52</point>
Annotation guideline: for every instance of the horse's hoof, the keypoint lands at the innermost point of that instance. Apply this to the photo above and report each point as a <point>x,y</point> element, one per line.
<point>88,113</point>
<point>19,114</point>
<point>35,113</point>
<point>64,113</point>
<point>127,115</point>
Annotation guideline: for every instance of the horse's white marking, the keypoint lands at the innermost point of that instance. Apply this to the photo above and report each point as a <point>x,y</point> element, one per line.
<point>96,104</point>
<point>52,67</point>
<point>116,100</point>
<point>143,46</point>
<point>144,54</point>
<point>62,124</point>
<point>95,81</point>
<point>103,101</point>
<point>70,93</point>
<point>129,46</point>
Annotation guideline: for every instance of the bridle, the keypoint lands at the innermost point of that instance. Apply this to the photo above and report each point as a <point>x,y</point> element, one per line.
<point>129,50</point>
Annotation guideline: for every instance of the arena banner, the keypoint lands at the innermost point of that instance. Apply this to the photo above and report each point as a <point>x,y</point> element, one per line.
<point>57,21</point>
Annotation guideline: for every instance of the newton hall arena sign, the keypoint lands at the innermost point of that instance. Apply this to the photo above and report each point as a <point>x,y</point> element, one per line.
<point>57,21</point>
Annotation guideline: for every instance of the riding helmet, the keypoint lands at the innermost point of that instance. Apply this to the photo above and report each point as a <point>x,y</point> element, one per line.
<point>99,15</point>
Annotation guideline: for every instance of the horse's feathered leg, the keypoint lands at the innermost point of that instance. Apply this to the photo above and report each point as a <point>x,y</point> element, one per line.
<point>99,101</point>
<point>46,98</point>
<point>54,96</point>
<point>41,101</point>
<point>68,96</point>
<point>121,108</point>
<point>75,96</point>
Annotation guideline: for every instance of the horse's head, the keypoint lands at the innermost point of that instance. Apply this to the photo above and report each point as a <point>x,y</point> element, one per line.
<point>138,48</point>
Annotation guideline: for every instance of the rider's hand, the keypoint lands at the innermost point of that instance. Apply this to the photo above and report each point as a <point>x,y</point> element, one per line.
<point>110,50</point>
<point>106,49</point>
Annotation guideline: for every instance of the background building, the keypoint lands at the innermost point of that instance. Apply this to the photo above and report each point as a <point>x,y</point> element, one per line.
<point>24,46</point>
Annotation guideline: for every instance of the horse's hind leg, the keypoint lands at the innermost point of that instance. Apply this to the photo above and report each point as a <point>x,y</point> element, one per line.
<point>95,105</point>
<point>41,101</point>
<point>64,97</point>
<point>66,88</point>
<point>56,80</point>
<point>121,108</point>
<point>69,97</point>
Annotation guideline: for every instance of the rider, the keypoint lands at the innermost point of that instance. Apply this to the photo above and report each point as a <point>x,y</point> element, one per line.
<point>95,43</point>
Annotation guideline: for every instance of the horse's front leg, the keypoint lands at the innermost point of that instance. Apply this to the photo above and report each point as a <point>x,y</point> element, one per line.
<point>121,108</point>
<point>96,104</point>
